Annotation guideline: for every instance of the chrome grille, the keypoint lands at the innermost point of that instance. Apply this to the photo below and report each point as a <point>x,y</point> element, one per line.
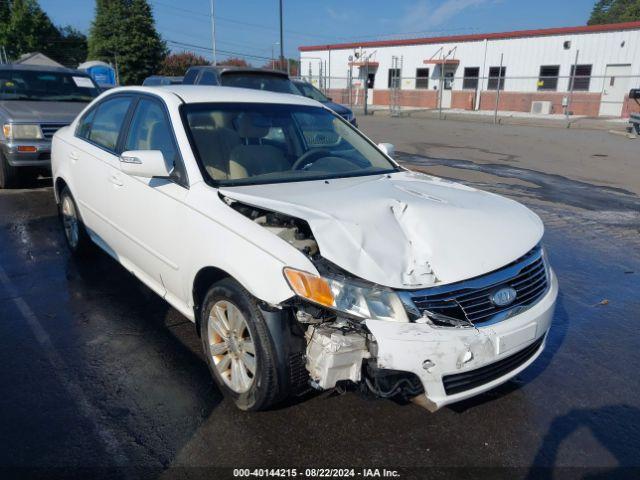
<point>49,129</point>
<point>471,300</point>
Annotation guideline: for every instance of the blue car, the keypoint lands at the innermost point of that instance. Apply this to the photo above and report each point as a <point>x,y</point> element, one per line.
<point>309,91</point>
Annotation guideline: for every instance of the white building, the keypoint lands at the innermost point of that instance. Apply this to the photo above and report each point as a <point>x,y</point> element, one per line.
<point>464,71</point>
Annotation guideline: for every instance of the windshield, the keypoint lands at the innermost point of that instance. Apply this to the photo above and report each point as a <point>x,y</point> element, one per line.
<point>244,144</point>
<point>46,86</point>
<point>312,92</point>
<point>258,81</point>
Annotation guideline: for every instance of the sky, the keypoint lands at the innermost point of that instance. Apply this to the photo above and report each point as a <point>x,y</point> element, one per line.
<point>250,27</point>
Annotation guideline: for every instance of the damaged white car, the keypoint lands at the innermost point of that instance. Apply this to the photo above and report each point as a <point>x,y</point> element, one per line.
<point>303,253</point>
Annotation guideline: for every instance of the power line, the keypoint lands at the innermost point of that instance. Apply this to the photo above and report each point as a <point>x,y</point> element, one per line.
<point>224,52</point>
<point>204,17</point>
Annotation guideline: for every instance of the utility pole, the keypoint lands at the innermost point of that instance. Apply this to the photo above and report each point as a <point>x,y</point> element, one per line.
<point>273,58</point>
<point>213,33</point>
<point>281,40</point>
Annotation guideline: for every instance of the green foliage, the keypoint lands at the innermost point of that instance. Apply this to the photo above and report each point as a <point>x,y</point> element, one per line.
<point>124,33</point>
<point>176,64</point>
<point>71,49</point>
<point>615,11</point>
<point>26,28</point>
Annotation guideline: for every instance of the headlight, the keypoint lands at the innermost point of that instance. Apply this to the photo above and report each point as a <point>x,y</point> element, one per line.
<point>348,116</point>
<point>547,266</point>
<point>14,131</point>
<point>352,297</point>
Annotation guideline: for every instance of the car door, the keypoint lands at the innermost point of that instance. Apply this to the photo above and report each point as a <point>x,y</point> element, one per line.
<point>90,156</point>
<point>150,212</point>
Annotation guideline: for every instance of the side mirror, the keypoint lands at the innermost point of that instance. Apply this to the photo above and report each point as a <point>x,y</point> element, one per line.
<point>145,164</point>
<point>388,148</point>
<point>330,99</point>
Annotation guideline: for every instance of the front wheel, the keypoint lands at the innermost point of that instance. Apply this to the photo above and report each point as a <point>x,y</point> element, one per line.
<point>8,174</point>
<point>238,346</point>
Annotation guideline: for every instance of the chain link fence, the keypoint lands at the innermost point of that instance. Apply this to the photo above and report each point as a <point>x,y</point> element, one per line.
<point>569,96</point>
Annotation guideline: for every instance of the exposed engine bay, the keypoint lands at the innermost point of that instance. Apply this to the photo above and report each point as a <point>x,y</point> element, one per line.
<point>338,349</point>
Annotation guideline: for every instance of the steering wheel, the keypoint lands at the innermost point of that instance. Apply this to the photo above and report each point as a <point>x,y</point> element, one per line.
<point>308,158</point>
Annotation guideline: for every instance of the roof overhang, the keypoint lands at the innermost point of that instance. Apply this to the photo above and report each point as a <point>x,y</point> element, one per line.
<point>611,27</point>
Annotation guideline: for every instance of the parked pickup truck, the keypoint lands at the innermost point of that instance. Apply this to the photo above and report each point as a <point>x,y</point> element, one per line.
<point>36,101</point>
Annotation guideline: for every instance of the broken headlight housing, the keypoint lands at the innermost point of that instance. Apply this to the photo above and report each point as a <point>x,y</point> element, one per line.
<point>354,298</point>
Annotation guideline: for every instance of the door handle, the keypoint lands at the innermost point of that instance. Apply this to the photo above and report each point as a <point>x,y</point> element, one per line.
<point>73,156</point>
<point>116,180</point>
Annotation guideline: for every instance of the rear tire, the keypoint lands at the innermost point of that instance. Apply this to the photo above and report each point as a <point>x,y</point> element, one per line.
<point>8,174</point>
<point>238,347</point>
<point>74,231</point>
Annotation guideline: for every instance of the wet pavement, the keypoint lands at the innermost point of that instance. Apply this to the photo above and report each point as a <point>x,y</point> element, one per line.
<point>97,371</point>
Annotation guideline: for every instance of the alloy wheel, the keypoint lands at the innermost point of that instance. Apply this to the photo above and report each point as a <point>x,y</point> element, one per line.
<point>70,221</point>
<point>231,346</point>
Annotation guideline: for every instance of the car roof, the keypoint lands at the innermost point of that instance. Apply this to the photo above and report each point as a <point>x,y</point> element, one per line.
<point>41,68</point>
<point>230,68</point>
<point>215,94</point>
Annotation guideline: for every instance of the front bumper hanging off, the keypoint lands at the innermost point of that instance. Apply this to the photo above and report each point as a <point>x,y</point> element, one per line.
<point>454,364</point>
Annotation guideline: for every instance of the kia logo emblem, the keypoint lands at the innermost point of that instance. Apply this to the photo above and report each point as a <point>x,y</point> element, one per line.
<point>503,297</point>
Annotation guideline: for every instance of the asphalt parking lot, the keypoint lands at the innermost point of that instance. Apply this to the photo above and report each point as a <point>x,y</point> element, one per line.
<point>97,371</point>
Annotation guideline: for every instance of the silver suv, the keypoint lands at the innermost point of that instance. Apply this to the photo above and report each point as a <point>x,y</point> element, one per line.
<point>36,101</point>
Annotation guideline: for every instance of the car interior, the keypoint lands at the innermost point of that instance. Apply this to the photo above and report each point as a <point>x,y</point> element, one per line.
<point>236,146</point>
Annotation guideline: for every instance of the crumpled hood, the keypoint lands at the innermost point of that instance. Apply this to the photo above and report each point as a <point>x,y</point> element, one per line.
<point>406,230</point>
<point>40,112</point>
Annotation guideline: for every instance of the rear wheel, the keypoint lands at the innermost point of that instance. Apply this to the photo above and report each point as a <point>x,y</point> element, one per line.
<point>238,346</point>
<point>75,234</point>
<point>8,174</point>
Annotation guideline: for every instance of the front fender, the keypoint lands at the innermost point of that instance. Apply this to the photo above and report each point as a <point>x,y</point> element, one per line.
<point>223,238</point>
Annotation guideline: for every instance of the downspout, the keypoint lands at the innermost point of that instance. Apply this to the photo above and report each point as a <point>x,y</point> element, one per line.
<point>482,77</point>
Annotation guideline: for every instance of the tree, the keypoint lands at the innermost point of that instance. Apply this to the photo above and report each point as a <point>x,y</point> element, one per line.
<point>27,29</point>
<point>235,62</point>
<point>123,32</point>
<point>615,11</point>
<point>72,47</point>
<point>176,64</point>
<point>290,65</point>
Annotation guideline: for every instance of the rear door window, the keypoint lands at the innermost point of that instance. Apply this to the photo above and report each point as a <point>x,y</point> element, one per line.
<point>190,77</point>
<point>208,78</point>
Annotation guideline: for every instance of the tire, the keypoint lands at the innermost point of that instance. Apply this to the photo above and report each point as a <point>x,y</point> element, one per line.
<point>73,229</point>
<point>8,174</point>
<point>239,351</point>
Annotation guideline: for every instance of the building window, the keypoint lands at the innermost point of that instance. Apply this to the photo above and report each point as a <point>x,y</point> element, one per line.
<point>470,80</point>
<point>394,78</point>
<point>422,78</point>
<point>548,79</point>
<point>496,78</point>
<point>580,78</point>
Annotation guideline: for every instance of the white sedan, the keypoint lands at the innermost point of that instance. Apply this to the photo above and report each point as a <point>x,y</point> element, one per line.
<point>305,256</point>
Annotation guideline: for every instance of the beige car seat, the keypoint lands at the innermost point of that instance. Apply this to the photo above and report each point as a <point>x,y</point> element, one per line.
<point>253,159</point>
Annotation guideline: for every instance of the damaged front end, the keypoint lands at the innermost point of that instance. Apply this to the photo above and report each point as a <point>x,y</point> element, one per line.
<point>436,345</point>
<point>332,308</point>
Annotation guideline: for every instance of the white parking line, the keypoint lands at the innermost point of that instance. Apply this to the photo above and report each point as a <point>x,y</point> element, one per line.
<point>91,413</point>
